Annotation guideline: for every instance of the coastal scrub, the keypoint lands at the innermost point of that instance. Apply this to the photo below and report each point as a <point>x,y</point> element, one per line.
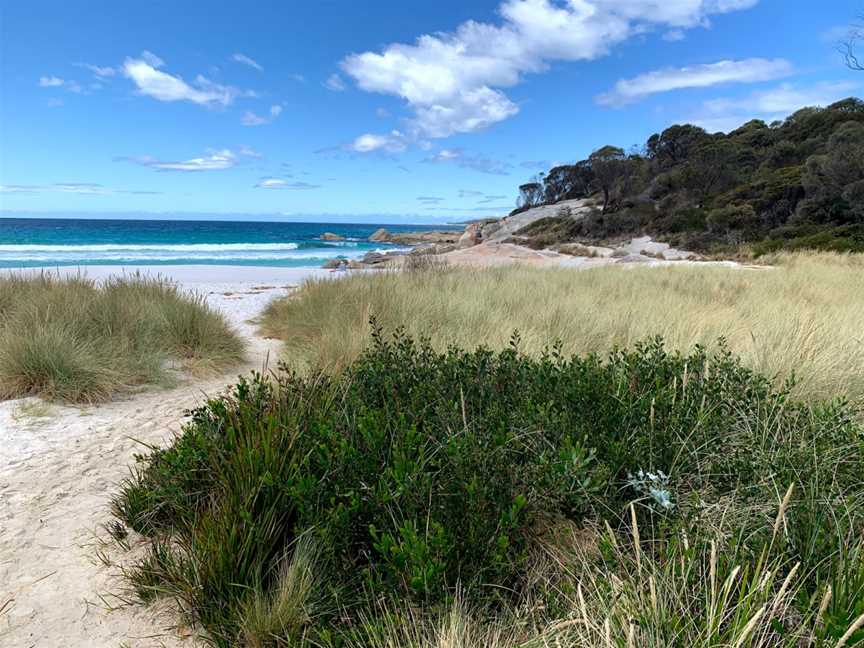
<point>641,498</point>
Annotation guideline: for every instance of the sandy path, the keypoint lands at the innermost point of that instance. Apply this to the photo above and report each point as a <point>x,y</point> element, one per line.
<point>58,471</point>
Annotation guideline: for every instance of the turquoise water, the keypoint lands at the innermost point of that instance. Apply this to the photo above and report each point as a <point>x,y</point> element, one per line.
<point>29,242</point>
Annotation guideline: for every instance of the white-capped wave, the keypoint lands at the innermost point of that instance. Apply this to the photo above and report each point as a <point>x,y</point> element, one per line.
<point>135,247</point>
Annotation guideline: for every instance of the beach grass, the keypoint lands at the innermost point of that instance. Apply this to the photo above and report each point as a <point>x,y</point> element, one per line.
<point>74,339</point>
<point>801,316</point>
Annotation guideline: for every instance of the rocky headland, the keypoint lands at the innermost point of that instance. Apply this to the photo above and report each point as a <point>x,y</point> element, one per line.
<point>535,236</point>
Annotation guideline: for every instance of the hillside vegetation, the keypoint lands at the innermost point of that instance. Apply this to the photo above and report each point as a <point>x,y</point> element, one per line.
<point>74,339</point>
<point>792,184</point>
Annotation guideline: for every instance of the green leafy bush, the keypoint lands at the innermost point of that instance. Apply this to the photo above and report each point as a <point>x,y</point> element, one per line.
<point>843,239</point>
<point>420,473</point>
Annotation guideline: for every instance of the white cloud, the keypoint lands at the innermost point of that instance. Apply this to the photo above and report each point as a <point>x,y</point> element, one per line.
<point>252,119</point>
<point>100,71</point>
<point>81,188</point>
<point>151,59</point>
<point>725,114</point>
<point>445,155</point>
<point>10,189</point>
<point>57,82</point>
<point>469,161</point>
<point>89,188</point>
<point>335,83</point>
<point>214,161</point>
<point>453,81</point>
<point>492,199</point>
<point>164,87</point>
<point>392,142</point>
<point>695,76</point>
<point>223,159</point>
<point>279,183</point>
<point>247,151</point>
<point>50,82</point>
<point>245,60</point>
<point>674,35</point>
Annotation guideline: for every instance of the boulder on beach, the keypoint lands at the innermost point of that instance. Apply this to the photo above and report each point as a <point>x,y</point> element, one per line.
<point>416,238</point>
<point>374,258</point>
<point>335,264</point>
<point>380,235</point>
<point>632,258</point>
<point>470,237</point>
<point>330,236</point>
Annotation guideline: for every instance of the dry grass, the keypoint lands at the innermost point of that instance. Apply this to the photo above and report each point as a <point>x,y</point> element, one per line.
<point>802,316</point>
<point>75,340</point>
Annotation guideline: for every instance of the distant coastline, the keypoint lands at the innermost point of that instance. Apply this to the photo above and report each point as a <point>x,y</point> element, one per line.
<point>38,242</point>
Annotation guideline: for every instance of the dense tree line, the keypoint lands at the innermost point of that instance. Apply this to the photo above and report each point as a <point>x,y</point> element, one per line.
<point>793,183</point>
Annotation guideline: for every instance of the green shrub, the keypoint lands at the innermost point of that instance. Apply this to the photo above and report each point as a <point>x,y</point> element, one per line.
<point>733,217</point>
<point>423,473</point>
<point>809,236</point>
<point>682,220</point>
<point>548,231</point>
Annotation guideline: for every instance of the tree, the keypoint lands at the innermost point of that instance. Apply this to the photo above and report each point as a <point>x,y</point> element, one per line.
<point>832,181</point>
<point>530,195</point>
<point>673,145</point>
<point>609,167</point>
<point>568,181</point>
<point>711,169</point>
<point>849,48</point>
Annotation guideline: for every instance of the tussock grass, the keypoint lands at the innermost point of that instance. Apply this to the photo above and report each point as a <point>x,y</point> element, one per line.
<point>73,339</point>
<point>288,609</point>
<point>802,316</point>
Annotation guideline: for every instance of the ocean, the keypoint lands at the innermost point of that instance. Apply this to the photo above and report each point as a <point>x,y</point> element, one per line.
<point>30,242</point>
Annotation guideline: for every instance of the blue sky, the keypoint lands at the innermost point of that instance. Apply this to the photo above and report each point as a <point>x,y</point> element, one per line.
<point>420,111</point>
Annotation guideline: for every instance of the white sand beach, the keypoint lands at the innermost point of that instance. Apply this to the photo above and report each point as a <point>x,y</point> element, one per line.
<point>59,466</point>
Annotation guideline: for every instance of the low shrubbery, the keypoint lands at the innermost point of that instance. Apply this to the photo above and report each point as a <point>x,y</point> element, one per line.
<point>426,498</point>
<point>73,339</point>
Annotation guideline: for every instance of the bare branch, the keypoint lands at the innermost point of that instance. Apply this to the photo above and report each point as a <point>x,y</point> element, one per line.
<point>847,48</point>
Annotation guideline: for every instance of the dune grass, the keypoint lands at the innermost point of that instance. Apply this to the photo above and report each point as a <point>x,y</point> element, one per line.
<point>73,339</point>
<point>802,316</point>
